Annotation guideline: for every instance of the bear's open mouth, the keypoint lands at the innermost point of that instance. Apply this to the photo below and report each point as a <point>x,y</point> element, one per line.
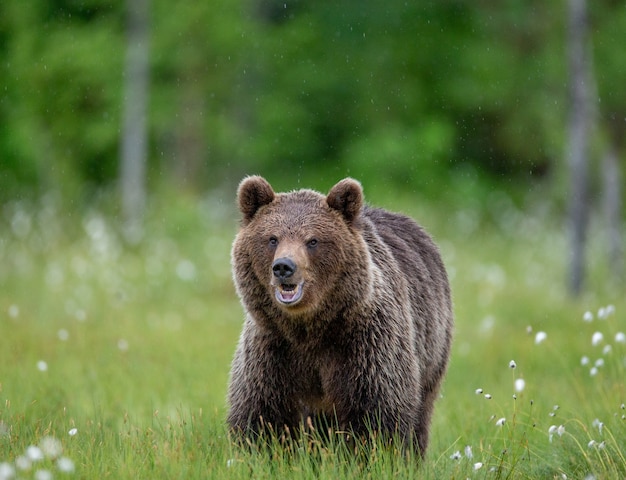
<point>288,293</point>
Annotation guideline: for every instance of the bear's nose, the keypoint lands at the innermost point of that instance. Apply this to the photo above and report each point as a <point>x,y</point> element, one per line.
<point>283,268</point>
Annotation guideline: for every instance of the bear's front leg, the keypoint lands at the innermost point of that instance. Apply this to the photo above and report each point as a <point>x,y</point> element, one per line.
<point>260,393</point>
<point>374,394</point>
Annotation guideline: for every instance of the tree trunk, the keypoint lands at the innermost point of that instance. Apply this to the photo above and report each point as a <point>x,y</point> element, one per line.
<point>612,210</point>
<point>133,150</point>
<point>578,143</point>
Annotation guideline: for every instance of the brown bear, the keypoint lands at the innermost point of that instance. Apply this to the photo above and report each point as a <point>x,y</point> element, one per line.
<point>348,315</point>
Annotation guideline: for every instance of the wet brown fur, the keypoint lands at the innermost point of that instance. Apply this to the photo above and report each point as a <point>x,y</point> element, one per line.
<point>367,346</point>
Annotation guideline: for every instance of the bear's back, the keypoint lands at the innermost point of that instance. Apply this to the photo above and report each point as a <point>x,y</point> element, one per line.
<point>418,259</point>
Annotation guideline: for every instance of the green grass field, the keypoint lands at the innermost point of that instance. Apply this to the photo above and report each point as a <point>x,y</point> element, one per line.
<point>114,360</point>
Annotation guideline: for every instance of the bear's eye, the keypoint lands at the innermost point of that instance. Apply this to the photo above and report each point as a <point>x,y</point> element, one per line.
<point>273,241</point>
<point>312,243</point>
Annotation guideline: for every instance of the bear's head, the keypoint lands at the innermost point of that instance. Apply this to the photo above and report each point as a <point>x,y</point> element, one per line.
<point>299,252</point>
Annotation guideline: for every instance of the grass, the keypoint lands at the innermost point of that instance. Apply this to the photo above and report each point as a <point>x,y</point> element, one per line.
<point>120,355</point>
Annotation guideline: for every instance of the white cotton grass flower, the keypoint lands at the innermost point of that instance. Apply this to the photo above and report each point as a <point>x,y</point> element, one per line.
<point>478,391</point>
<point>596,338</point>
<point>43,475</point>
<point>456,455</point>
<point>540,337</point>
<point>14,311</point>
<point>23,463</point>
<point>63,335</point>
<point>65,465</point>
<point>588,317</point>
<point>72,432</point>
<point>551,432</point>
<point>607,349</point>
<point>599,362</point>
<point>598,424</point>
<point>584,360</point>
<point>42,366</point>
<point>488,396</point>
<point>593,371</point>
<point>478,465</point>
<point>606,312</point>
<point>500,422</point>
<point>468,452</point>
<point>620,337</point>
<point>34,453</point>
<point>591,444</point>
<point>520,384</point>
<point>512,364</point>
<point>7,471</point>
<point>560,430</point>
<point>51,447</point>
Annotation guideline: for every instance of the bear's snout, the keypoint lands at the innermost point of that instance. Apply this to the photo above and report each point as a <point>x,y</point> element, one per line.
<point>283,268</point>
<point>288,286</point>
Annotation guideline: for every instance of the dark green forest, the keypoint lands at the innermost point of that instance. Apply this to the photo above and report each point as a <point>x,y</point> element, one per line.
<point>443,99</point>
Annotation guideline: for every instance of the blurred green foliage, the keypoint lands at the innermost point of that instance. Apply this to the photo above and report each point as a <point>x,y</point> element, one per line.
<point>409,95</point>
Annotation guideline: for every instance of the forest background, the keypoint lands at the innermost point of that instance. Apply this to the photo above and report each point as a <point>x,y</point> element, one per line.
<point>444,99</point>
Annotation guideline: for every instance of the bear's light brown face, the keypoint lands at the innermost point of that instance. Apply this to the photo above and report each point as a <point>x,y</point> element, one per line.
<point>295,250</point>
<point>299,258</point>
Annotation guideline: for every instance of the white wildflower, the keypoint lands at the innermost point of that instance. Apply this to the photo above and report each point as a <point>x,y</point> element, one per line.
<point>122,345</point>
<point>43,475</point>
<point>540,337</point>
<point>63,335</point>
<point>520,384</point>
<point>551,432</point>
<point>512,364</point>
<point>597,338</point>
<point>620,337</point>
<point>560,430</point>
<point>72,432</point>
<point>23,463</point>
<point>456,455</point>
<point>42,366</point>
<point>593,371</point>
<point>65,465</point>
<point>186,270</point>
<point>584,360</point>
<point>34,453</point>
<point>6,471</point>
<point>598,424</point>
<point>500,422</point>
<point>591,444</point>
<point>478,391</point>
<point>468,452</point>
<point>51,447</point>
<point>478,465</point>
<point>488,396</point>
<point>588,317</point>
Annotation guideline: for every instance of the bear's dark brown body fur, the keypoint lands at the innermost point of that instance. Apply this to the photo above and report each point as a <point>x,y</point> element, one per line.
<point>348,315</point>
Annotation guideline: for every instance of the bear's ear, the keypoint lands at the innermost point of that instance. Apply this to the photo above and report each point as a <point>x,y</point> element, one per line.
<point>252,194</point>
<point>347,198</point>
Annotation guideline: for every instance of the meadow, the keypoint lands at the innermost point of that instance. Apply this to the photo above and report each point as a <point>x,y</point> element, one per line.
<point>114,359</point>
